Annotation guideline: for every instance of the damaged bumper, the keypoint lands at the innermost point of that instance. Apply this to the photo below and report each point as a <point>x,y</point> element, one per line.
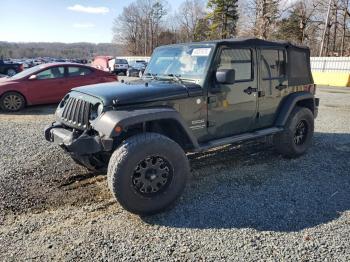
<point>78,144</point>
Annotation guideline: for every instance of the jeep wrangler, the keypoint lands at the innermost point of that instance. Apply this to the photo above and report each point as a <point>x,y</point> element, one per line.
<point>192,97</point>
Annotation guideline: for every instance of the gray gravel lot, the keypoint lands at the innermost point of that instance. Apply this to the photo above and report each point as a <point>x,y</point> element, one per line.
<point>239,205</point>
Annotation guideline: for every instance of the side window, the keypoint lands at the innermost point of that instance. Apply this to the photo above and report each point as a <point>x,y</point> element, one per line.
<point>273,64</point>
<point>238,59</point>
<point>54,72</point>
<point>78,71</point>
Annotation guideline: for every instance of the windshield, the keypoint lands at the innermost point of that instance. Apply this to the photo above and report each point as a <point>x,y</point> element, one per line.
<point>27,72</point>
<point>187,61</point>
<point>121,61</point>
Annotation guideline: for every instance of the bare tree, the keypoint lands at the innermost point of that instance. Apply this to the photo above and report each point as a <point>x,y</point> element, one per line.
<point>138,27</point>
<point>189,14</point>
<point>266,14</point>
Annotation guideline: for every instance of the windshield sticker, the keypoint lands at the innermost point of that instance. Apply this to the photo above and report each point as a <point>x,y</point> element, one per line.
<point>201,52</point>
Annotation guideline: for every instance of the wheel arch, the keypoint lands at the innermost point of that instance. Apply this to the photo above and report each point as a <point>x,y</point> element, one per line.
<point>166,121</point>
<point>26,102</point>
<point>302,99</point>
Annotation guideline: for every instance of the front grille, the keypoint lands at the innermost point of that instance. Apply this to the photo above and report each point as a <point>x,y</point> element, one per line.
<point>76,113</point>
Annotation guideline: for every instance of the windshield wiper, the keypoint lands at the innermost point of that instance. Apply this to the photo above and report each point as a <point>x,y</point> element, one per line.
<point>152,76</point>
<point>176,78</point>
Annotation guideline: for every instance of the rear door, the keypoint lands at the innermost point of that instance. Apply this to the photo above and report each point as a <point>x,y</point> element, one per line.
<point>48,87</point>
<point>80,76</point>
<point>273,84</point>
<point>232,108</point>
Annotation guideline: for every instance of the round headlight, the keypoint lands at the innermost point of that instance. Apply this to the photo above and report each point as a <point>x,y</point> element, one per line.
<point>96,110</point>
<point>63,101</point>
<point>100,109</point>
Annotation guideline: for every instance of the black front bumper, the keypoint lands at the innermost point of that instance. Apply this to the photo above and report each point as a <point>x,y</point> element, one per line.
<point>82,144</point>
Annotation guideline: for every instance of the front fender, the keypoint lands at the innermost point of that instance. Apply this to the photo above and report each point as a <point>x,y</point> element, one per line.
<point>106,123</point>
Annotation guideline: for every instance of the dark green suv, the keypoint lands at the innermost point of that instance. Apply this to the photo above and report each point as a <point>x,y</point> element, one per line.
<point>192,97</point>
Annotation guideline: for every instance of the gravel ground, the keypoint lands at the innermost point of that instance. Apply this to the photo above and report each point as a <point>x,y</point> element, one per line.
<point>239,205</point>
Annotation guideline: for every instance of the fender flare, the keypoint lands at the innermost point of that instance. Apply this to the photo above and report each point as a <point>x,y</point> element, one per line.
<point>289,103</point>
<point>106,123</point>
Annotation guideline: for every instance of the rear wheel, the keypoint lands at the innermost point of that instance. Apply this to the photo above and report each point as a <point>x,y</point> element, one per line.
<point>12,102</point>
<point>147,173</point>
<point>296,139</point>
<point>11,72</point>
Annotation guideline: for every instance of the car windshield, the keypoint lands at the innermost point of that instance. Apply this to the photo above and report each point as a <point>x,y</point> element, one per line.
<point>27,72</point>
<point>182,61</point>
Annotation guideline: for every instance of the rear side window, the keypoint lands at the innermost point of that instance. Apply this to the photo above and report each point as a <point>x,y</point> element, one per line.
<point>238,59</point>
<point>54,72</point>
<point>78,71</point>
<point>273,64</point>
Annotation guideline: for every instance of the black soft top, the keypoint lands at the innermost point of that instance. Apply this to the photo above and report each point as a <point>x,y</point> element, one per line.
<point>298,57</point>
<point>255,42</point>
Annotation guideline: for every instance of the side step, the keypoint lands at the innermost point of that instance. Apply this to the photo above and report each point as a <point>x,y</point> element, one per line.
<point>239,138</point>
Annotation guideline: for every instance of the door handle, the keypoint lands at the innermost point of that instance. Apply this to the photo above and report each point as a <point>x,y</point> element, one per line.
<point>281,87</point>
<point>250,90</point>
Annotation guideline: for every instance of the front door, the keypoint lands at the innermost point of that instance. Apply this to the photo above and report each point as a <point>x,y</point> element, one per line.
<point>48,87</point>
<point>232,107</point>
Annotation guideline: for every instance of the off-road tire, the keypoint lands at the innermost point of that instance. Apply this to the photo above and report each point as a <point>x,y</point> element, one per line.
<point>6,104</point>
<point>285,142</point>
<point>125,160</point>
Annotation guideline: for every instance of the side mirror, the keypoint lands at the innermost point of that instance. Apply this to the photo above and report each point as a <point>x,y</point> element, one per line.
<point>226,76</point>
<point>32,77</point>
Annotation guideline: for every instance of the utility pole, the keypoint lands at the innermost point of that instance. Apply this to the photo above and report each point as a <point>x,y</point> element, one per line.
<point>325,27</point>
<point>335,28</point>
<point>346,11</point>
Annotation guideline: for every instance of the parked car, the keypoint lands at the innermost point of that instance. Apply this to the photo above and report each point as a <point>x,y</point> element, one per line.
<point>192,98</point>
<point>9,68</point>
<point>47,83</point>
<point>102,62</point>
<point>136,69</point>
<point>121,66</point>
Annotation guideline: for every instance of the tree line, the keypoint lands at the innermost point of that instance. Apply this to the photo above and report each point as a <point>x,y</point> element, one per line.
<point>58,50</point>
<point>146,24</point>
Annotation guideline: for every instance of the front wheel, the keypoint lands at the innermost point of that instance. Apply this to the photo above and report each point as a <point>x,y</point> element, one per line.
<point>147,173</point>
<point>12,102</point>
<point>296,139</point>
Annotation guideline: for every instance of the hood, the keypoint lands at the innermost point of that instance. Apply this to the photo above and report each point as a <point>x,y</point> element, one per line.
<point>140,91</point>
<point>7,81</point>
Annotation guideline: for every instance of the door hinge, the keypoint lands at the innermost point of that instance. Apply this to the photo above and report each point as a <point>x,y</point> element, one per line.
<point>211,99</point>
<point>261,93</point>
<point>210,123</point>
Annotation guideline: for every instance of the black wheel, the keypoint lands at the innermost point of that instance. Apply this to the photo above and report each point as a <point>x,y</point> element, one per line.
<point>12,102</point>
<point>296,139</point>
<point>147,173</point>
<point>11,72</point>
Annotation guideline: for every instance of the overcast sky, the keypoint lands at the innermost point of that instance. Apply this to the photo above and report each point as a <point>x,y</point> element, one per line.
<point>60,20</point>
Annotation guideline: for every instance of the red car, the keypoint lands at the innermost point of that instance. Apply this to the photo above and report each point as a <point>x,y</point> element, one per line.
<point>47,83</point>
